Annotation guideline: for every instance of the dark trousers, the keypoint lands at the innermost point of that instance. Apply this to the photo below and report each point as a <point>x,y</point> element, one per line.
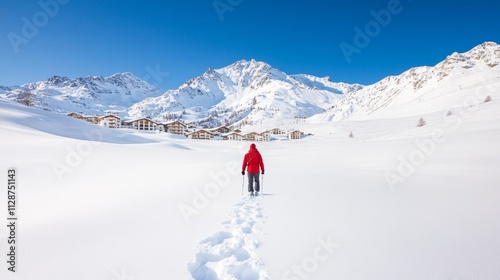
<point>251,178</point>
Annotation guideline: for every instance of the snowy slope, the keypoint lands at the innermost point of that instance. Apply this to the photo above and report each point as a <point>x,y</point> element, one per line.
<point>475,74</point>
<point>245,91</point>
<point>93,95</point>
<point>97,203</point>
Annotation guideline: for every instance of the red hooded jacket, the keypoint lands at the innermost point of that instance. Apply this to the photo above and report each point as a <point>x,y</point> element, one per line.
<point>253,160</point>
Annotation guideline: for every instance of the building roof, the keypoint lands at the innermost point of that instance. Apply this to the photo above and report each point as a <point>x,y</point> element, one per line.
<point>83,116</point>
<point>232,133</point>
<point>134,120</point>
<point>201,130</point>
<point>222,126</point>
<point>176,121</point>
<point>109,115</point>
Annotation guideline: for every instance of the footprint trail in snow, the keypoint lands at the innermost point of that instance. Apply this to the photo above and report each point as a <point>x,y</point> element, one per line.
<point>232,252</point>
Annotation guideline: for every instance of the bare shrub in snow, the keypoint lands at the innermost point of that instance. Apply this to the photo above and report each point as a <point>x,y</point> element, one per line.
<point>26,98</point>
<point>421,122</point>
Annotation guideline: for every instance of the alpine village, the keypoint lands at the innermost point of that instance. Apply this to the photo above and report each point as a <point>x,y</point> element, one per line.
<point>190,131</point>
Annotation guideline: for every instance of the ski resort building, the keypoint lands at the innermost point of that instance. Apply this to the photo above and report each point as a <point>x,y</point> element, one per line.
<point>234,136</point>
<point>276,131</point>
<point>175,127</point>
<point>201,134</point>
<point>254,136</point>
<point>110,121</point>
<point>90,119</point>
<point>221,130</point>
<point>295,134</point>
<point>142,124</point>
<point>75,115</point>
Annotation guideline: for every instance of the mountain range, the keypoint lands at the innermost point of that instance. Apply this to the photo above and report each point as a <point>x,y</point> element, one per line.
<point>93,95</point>
<point>253,92</point>
<point>457,81</point>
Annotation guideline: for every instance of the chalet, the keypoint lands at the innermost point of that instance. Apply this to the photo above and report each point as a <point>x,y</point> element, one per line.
<point>142,124</point>
<point>254,136</point>
<point>234,136</point>
<point>201,134</point>
<point>221,130</point>
<point>295,134</point>
<point>277,131</point>
<point>175,127</point>
<point>251,136</point>
<point>265,136</point>
<point>75,115</point>
<point>90,119</point>
<point>110,121</point>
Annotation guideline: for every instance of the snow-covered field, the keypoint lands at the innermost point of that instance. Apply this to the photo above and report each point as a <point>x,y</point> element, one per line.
<point>395,202</point>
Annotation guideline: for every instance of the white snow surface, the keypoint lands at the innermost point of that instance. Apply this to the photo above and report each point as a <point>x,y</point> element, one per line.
<point>396,201</point>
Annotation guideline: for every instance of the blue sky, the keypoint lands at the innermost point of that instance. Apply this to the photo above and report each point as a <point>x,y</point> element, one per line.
<point>169,42</point>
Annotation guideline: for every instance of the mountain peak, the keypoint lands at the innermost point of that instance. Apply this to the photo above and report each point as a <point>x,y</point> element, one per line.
<point>484,49</point>
<point>244,92</point>
<point>488,45</point>
<point>123,75</point>
<point>487,53</point>
<point>58,80</point>
<point>249,64</point>
<point>251,73</point>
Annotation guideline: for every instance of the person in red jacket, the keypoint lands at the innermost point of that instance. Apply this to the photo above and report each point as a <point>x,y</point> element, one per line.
<point>253,163</point>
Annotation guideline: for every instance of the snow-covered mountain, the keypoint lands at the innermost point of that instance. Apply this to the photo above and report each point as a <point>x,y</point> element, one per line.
<point>253,93</point>
<point>245,92</point>
<point>93,95</point>
<point>460,79</point>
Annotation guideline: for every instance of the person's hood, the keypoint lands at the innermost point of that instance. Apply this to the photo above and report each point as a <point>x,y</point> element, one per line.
<point>253,147</point>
